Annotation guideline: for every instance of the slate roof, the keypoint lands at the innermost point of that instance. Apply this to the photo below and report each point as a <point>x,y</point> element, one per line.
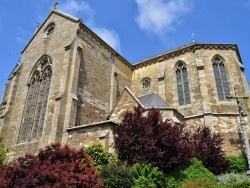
<point>152,100</point>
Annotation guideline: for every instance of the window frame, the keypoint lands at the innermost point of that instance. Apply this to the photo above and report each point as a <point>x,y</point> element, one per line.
<point>40,76</point>
<point>221,78</point>
<point>182,83</point>
<point>146,79</point>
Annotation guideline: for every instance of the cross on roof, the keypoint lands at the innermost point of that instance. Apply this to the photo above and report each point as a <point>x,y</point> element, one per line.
<point>54,5</point>
<point>193,36</point>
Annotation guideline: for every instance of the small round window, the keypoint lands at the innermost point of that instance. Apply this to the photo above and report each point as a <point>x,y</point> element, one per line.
<point>146,83</point>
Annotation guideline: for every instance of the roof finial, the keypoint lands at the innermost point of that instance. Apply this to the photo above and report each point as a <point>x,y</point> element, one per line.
<point>54,5</point>
<point>38,25</point>
<point>193,36</point>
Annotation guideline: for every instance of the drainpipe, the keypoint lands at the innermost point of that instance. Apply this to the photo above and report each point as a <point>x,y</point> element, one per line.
<point>111,80</point>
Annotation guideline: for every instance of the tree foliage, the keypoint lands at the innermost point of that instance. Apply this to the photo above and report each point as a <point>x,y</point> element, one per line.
<point>55,166</point>
<point>208,149</point>
<point>237,164</point>
<point>116,174</point>
<point>3,152</point>
<point>146,138</point>
<point>150,140</point>
<point>194,171</point>
<point>147,176</point>
<point>98,155</point>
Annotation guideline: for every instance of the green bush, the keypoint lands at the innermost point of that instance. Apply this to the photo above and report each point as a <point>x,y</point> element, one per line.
<point>98,155</point>
<point>237,164</point>
<point>231,178</point>
<point>199,183</point>
<point>115,174</point>
<point>147,176</point>
<point>195,171</point>
<point>3,152</point>
<point>245,184</point>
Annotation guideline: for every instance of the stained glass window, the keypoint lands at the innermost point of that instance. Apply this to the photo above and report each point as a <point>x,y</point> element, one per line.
<point>34,113</point>
<point>220,78</point>
<point>182,84</point>
<point>146,83</point>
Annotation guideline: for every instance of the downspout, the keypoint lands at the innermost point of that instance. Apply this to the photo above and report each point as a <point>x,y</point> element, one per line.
<point>111,79</point>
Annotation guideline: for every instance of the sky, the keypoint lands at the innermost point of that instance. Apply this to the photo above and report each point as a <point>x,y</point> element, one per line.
<point>137,29</point>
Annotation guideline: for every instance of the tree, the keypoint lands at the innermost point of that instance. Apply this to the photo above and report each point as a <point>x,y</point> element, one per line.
<point>98,155</point>
<point>208,149</point>
<point>150,140</point>
<point>147,176</point>
<point>55,166</point>
<point>116,174</point>
<point>3,152</point>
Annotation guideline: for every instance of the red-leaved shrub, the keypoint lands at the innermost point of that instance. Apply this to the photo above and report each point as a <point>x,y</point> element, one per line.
<point>57,166</point>
<point>150,140</point>
<point>208,149</point>
<point>146,138</point>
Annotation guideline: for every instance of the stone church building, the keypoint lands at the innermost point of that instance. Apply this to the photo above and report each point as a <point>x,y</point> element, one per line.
<point>71,86</point>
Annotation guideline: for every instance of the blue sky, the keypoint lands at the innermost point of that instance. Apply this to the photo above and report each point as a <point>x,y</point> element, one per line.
<point>137,29</point>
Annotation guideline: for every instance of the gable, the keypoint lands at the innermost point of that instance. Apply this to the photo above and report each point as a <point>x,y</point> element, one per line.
<point>61,21</point>
<point>126,102</point>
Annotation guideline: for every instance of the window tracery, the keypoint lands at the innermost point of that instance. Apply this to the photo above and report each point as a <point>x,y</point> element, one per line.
<point>221,80</point>
<point>35,109</point>
<point>146,83</point>
<point>182,84</point>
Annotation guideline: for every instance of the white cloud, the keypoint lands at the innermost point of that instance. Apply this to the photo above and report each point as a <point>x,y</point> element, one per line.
<point>83,10</point>
<point>109,36</point>
<point>160,16</point>
<point>74,7</point>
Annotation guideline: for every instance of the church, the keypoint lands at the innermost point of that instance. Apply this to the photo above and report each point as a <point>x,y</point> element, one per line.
<point>72,87</point>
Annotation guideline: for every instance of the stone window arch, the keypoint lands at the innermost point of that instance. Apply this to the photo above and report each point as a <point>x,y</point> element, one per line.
<point>182,83</point>
<point>221,79</point>
<point>48,31</point>
<point>36,102</point>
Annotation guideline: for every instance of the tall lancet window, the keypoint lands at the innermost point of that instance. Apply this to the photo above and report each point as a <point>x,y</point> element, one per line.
<point>36,102</point>
<point>182,84</point>
<point>220,78</point>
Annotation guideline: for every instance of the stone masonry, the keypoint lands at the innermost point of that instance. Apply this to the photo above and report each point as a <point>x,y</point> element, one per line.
<point>92,86</point>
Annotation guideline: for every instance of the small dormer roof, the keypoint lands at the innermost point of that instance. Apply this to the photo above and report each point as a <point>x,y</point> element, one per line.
<point>152,100</point>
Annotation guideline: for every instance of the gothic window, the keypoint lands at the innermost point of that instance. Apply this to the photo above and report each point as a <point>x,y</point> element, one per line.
<point>35,109</point>
<point>49,30</point>
<point>182,84</point>
<point>220,78</point>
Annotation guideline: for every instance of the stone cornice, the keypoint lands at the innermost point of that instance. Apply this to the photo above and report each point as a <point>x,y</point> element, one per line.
<point>85,29</point>
<point>109,122</point>
<point>182,50</point>
<point>213,114</point>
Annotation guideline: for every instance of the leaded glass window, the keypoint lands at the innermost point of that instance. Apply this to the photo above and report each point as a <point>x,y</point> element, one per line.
<point>221,80</point>
<point>182,84</point>
<point>35,109</point>
<point>146,83</point>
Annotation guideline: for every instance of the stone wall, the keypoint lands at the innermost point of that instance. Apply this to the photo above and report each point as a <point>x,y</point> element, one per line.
<point>205,107</point>
<point>54,47</point>
<point>86,135</point>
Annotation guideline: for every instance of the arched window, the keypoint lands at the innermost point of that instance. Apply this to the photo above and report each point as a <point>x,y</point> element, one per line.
<point>220,78</point>
<point>182,84</point>
<point>35,109</point>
